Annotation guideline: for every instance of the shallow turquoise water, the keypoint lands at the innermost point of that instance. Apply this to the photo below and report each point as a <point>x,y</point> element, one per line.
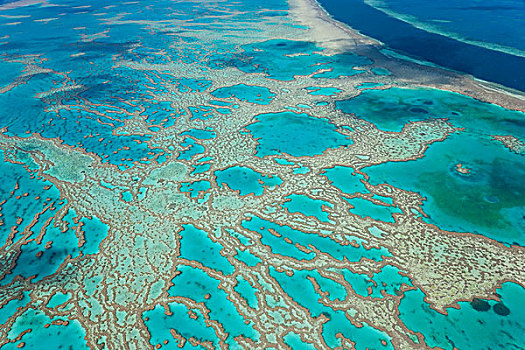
<point>346,180</point>
<point>297,203</point>
<point>454,200</point>
<point>197,246</point>
<point>272,58</point>
<point>58,299</point>
<point>294,341</point>
<point>322,242</point>
<point>496,325</point>
<point>366,208</point>
<point>12,306</point>
<point>391,109</point>
<point>388,280</point>
<point>246,180</point>
<point>247,258</point>
<point>196,284</point>
<point>368,85</point>
<point>253,94</point>
<point>195,188</point>
<point>160,324</point>
<point>55,336</point>
<point>245,289</point>
<point>297,134</point>
<point>30,264</point>
<point>323,91</point>
<point>301,289</point>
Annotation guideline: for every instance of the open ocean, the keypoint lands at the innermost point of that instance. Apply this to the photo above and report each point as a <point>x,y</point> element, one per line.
<point>482,38</point>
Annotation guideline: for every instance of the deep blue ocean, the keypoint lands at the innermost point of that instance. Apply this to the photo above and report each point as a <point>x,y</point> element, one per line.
<point>482,38</point>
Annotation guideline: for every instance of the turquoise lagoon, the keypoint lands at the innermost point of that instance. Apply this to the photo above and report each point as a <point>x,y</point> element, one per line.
<point>276,58</point>
<point>474,324</point>
<point>391,109</point>
<point>70,335</point>
<point>297,134</point>
<point>253,94</point>
<point>246,180</point>
<point>454,200</point>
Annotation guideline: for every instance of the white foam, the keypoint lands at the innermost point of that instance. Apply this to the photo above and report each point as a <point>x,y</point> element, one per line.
<point>395,54</point>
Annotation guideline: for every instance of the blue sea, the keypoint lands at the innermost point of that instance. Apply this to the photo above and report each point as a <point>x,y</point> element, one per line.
<point>179,174</point>
<point>497,25</point>
<point>481,38</point>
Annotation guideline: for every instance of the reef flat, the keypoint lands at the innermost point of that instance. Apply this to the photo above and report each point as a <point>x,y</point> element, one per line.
<point>247,175</point>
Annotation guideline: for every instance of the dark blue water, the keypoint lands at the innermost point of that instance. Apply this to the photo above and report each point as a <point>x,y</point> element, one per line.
<point>496,24</point>
<point>482,62</point>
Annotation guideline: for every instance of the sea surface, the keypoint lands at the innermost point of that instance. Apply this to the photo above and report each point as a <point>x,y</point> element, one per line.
<point>205,175</point>
<point>481,38</point>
